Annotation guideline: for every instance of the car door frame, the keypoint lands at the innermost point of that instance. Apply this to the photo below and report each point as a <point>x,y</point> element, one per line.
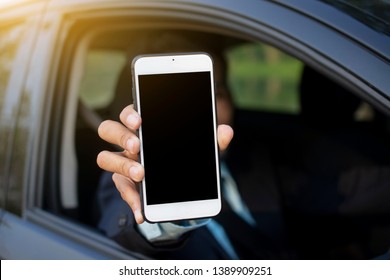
<point>39,234</point>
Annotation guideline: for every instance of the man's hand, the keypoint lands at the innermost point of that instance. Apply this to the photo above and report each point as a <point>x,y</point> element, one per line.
<point>127,171</point>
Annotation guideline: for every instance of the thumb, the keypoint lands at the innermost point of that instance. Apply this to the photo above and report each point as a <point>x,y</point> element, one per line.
<point>225,135</point>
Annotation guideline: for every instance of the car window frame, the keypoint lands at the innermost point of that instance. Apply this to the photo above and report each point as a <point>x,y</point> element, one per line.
<point>15,117</point>
<point>315,59</point>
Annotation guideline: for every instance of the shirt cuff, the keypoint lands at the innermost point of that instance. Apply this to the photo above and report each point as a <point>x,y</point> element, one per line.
<point>169,231</point>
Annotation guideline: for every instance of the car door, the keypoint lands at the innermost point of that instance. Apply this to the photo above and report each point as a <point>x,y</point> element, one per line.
<point>31,32</point>
<point>42,209</point>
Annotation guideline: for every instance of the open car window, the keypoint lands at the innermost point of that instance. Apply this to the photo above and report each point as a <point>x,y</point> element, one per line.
<point>263,78</point>
<point>298,121</point>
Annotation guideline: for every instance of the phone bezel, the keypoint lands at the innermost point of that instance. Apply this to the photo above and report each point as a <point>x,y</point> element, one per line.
<point>169,64</point>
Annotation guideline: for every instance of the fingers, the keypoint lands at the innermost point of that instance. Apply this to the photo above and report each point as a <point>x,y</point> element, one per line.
<point>117,134</point>
<point>129,194</point>
<point>127,171</point>
<point>117,163</point>
<point>130,117</point>
<point>225,135</point>
<point>123,135</point>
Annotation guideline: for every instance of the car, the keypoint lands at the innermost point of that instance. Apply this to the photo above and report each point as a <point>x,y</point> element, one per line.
<point>59,65</point>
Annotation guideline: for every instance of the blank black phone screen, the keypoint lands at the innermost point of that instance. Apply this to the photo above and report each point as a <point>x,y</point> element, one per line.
<point>178,137</point>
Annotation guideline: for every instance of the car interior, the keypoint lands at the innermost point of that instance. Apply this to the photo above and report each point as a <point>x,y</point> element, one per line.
<point>328,147</point>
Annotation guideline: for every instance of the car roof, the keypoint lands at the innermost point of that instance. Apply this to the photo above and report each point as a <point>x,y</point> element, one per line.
<point>365,22</point>
<point>375,14</point>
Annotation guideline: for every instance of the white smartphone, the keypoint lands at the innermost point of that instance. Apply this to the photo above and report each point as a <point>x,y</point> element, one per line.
<point>174,95</point>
